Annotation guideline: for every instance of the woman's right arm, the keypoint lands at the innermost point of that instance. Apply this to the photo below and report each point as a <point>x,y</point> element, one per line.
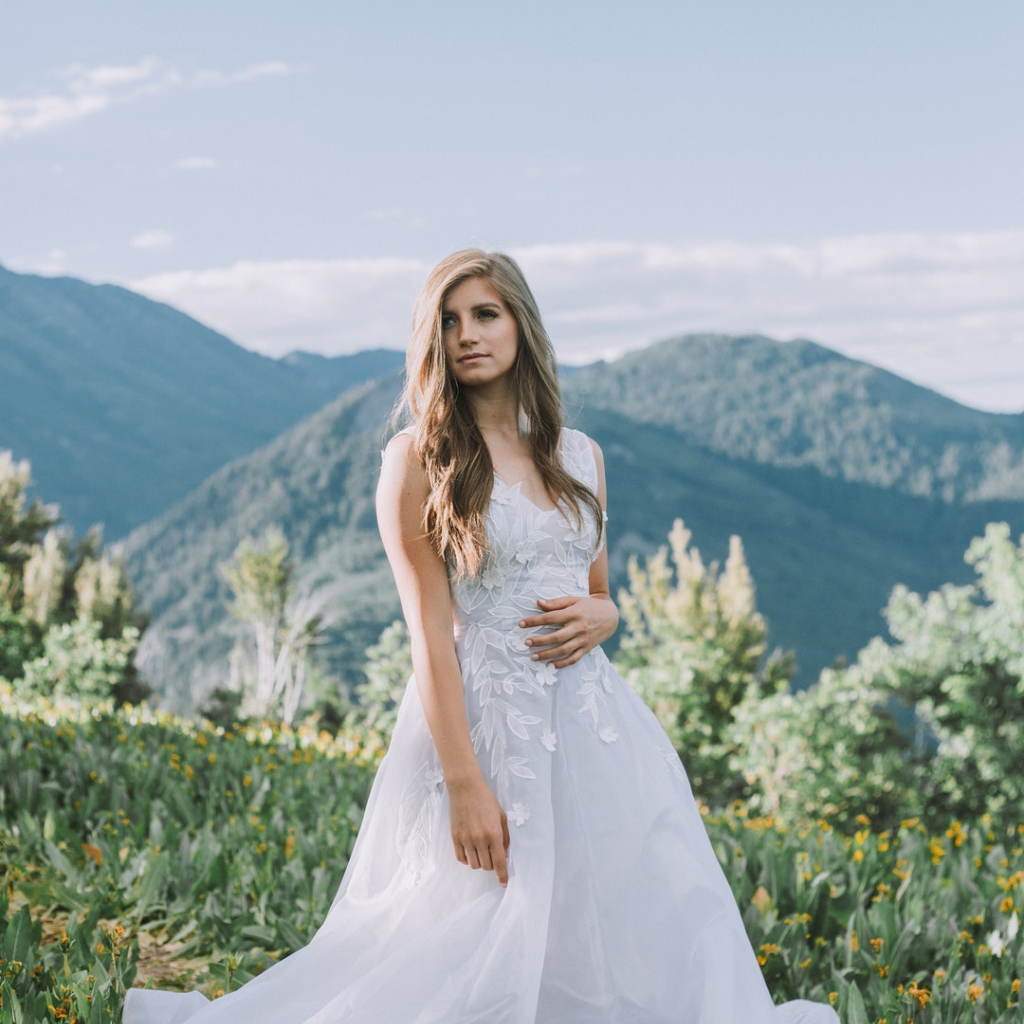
<point>479,826</point>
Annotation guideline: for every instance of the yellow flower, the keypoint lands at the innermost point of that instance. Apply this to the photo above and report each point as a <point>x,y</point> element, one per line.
<point>975,992</point>
<point>957,833</point>
<point>922,995</point>
<point>876,944</point>
<point>938,851</point>
<point>1007,905</point>
<point>854,942</point>
<point>832,997</point>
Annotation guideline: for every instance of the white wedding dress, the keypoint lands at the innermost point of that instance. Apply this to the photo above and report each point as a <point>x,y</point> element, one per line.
<point>616,911</point>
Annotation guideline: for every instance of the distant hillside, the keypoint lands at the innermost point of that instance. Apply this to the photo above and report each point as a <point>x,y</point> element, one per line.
<point>800,405</point>
<point>125,405</point>
<point>825,548</point>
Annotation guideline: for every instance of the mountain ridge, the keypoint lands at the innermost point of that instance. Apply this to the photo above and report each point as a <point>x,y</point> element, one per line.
<point>97,381</point>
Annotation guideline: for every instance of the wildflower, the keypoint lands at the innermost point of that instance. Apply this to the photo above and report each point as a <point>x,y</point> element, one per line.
<point>957,833</point>
<point>1007,905</point>
<point>937,849</point>
<point>922,995</point>
<point>876,944</point>
<point>975,992</point>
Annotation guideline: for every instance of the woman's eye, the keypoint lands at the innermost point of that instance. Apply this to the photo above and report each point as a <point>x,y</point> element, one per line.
<point>448,321</point>
<point>488,314</point>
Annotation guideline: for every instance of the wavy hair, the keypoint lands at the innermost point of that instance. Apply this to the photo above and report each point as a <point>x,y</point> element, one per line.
<point>448,441</point>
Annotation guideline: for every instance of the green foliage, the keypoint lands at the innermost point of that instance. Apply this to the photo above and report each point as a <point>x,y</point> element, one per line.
<point>959,661</point>
<point>82,975</point>
<point>694,650</point>
<point>212,853</point>
<point>833,751</point>
<point>67,619</point>
<point>388,668</point>
<point>77,661</point>
<point>196,842</point>
<point>956,662</point>
<point>22,523</point>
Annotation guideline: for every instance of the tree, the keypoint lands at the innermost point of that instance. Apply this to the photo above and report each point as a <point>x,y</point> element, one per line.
<point>694,649</point>
<point>285,627</point>
<point>68,623</point>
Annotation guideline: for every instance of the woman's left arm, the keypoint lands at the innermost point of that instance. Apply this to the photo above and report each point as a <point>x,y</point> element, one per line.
<point>583,621</point>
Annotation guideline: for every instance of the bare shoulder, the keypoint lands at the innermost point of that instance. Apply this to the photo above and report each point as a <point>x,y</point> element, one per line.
<point>598,454</point>
<point>403,480</point>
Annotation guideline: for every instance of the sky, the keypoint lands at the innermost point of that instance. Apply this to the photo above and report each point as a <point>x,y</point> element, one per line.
<point>289,172</point>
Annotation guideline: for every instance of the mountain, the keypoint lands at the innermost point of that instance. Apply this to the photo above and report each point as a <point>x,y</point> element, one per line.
<point>124,405</point>
<point>801,405</point>
<point>688,429</point>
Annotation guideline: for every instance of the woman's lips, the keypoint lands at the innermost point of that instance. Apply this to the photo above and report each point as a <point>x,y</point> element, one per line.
<point>472,358</point>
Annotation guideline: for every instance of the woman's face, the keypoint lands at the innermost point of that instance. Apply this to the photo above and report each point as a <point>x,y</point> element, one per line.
<point>479,333</point>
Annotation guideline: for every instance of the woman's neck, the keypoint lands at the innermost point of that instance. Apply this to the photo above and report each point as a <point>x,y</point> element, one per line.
<point>496,412</point>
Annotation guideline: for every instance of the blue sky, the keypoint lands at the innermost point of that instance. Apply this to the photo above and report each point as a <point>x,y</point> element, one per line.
<point>288,173</point>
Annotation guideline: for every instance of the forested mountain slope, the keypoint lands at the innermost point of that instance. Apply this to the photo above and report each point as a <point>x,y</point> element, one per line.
<point>825,545</point>
<point>124,405</point>
<point>799,404</point>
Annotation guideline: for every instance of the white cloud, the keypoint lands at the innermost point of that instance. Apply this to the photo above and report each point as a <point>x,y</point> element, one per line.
<point>328,306</point>
<point>155,238</point>
<point>945,310</point>
<point>86,91</point>
<point>196,163</point>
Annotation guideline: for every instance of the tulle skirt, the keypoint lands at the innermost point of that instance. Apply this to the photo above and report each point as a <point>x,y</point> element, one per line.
<point>616,911</point>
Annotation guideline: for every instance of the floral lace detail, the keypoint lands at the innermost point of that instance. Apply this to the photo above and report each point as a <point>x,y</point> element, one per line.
<point>534,553</point>
<point>418,818</point>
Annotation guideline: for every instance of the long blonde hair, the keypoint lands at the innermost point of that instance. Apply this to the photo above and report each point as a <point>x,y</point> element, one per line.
<point>447,440</point>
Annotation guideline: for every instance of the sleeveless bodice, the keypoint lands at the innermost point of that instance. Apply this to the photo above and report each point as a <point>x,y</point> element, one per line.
<point>534,553</point>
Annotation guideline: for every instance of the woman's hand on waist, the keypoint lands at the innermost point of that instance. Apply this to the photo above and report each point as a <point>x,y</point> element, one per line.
<point>579,622</point>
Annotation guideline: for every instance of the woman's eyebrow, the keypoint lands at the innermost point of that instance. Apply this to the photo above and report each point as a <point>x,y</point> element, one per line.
<point>473,309</point>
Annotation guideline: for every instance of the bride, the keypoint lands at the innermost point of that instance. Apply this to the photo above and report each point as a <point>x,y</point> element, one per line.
<point>531,852</point>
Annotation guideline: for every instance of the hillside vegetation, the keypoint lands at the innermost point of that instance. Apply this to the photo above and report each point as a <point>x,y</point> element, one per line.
<point>137,848</point>
<point>825,548</point>
<point>801,405</point>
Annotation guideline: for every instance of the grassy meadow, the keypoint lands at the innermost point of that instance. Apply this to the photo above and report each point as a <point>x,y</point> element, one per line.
<point>138,848</point>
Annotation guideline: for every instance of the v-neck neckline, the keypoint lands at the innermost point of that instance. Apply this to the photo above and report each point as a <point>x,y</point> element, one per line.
<point>517,487</point>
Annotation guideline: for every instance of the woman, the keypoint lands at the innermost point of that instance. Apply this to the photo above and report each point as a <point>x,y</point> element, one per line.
<point>531,852</point>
